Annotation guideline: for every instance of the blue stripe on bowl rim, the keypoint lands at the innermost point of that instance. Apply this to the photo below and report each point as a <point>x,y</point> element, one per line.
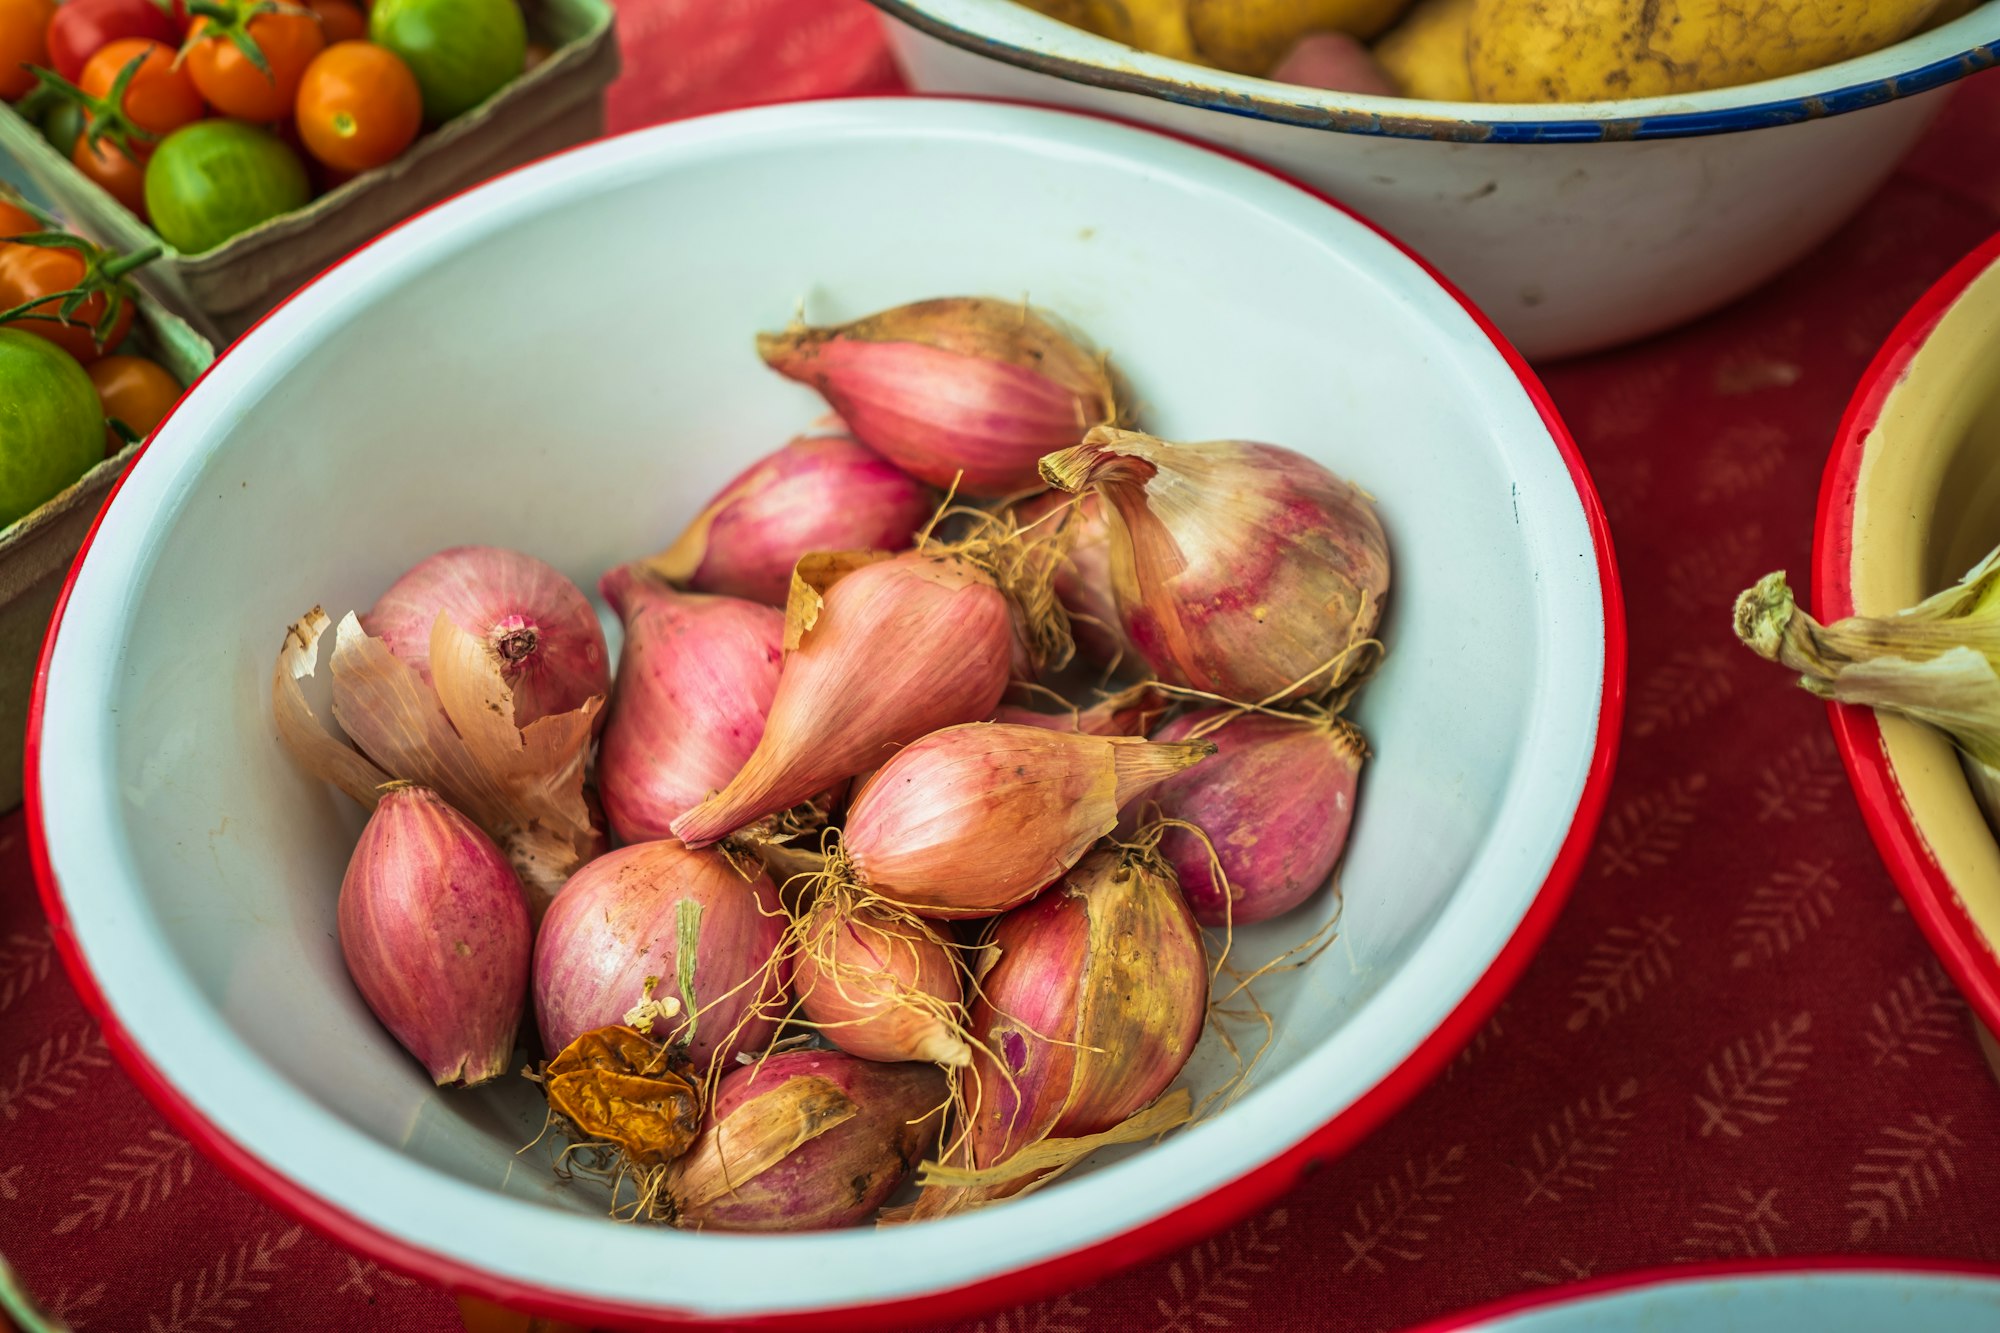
<point>1461,129</point>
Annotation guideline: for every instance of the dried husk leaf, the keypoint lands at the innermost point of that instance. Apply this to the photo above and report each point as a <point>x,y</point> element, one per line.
<point>316,749</point>
<point>755,1137</point>
<point>614,1086</point>
<point>812,578</point>
<point>1938,662</point>
<point>1043,1159</point>
<point>523,787</point>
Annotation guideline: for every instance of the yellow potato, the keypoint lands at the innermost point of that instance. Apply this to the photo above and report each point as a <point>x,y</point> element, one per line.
<point>1159,26</point>
<point>1588,50</point>
<point>1424,55</point>
<point>1250,36</point>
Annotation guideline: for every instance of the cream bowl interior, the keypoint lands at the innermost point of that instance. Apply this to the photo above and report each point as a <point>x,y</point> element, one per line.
<point>1914,502</point>
<point>561,362</point>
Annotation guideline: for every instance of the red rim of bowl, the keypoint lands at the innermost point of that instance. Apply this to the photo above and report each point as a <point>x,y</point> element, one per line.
<point>1966,953</point>
<point>1076,1268</point>
<point>1678,1274</point>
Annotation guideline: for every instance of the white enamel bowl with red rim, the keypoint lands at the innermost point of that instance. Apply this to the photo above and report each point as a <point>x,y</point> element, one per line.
<point>561,361</point>
<point>1839,1294</point>
<point>1909,503</point>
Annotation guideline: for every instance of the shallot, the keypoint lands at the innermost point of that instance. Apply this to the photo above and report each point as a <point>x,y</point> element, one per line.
<point>1079,529</point>
<point>1275,805</point>
<point>877,983</point>
<point>434,930</point>
<point>1243,570</point>
<point>964,390</point>
<point>878,651</point>
<point>818,493</point>
<point>538,626</point>
<point>656,929</point>
<point>695,680</point>
<point>973,819</point>
<point>804,1141</point>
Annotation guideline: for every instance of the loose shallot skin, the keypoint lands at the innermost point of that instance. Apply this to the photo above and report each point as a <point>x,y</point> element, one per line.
<point>538,625</point>
<point>434,930</point>
<point>1277,801</point>
<point>1094,1001</point>
<point>818,493</point>
<point>616,923</point>
<point>973,819</point>
<point>836,1178</point>
<point>1245,570</point>
<point>1083,579</point>
<point>879,985</point>
<point>885,653</point>
<point>963,390</point>
<point>695,680</point>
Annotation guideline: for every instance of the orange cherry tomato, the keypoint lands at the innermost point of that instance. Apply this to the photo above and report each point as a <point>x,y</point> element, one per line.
<point>15,221</point>
<point>31,271</point>
<point>135,391</point>
<point>24,41</point>
<point>231,81</point>
<point>160,98</point>
<point>359,106</point>
<point>122,175</point>
<point>340,20</point>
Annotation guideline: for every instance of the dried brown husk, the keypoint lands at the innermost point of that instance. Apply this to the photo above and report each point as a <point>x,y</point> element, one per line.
<point>522,786</point>
<point>613,1087</point>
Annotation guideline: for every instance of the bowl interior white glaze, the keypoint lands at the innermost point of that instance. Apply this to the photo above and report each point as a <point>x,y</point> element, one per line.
<point>561,362</point>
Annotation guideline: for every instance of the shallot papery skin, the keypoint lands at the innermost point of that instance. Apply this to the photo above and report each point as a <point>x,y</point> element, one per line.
<point>973,819</point>
<point>878,985</point>
<point>1083,578</point>
<point>806,1141</point>
<point>616,924</point>
<point>1093,1003</point>
<point>434,929</point>
<point>963,389</point>
<point>1244,570</point>
<point>537,624</point>
<point>695,678</point>
<point>879,651</point>
<point>1276,803</point>
<point>818,493</point>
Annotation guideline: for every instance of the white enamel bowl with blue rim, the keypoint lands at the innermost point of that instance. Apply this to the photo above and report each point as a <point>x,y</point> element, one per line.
<point>561,361</point>
<point>1574,225</point>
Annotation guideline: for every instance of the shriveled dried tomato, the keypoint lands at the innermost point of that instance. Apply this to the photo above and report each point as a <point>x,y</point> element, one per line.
<point>615,1085</point>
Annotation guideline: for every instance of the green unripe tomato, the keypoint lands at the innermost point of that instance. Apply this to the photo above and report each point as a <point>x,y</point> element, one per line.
<point>216,179</point>
<point>462,51</point>
<point>51,423</point>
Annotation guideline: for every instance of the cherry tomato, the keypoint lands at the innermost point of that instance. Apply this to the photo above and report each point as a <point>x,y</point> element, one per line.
<point>230,79</point>
<point>340,20</point>
<point>82,28</point>
<point>16,221</point>
<point>214,179</point>
<point>159,99</point>
<point>52,431</point>
<point>359,106</point>
<point>24,41</point>
<point>31,271</point>
<point>122,175</point>
<point>462,51</point>
<point>134,391</point>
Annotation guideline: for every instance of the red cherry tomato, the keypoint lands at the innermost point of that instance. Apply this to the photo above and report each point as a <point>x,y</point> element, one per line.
<point>340,20</point>
<point>82,28</point>
<point>122,175</point>
<point>16,221</point>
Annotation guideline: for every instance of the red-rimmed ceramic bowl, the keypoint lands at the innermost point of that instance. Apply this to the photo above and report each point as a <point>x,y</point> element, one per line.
<point>561,361</point>
<point>1835,1294</point>
<point>1910,502</point>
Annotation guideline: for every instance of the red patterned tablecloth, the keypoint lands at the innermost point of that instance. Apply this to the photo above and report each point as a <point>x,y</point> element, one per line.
<point>1734,1042</point>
